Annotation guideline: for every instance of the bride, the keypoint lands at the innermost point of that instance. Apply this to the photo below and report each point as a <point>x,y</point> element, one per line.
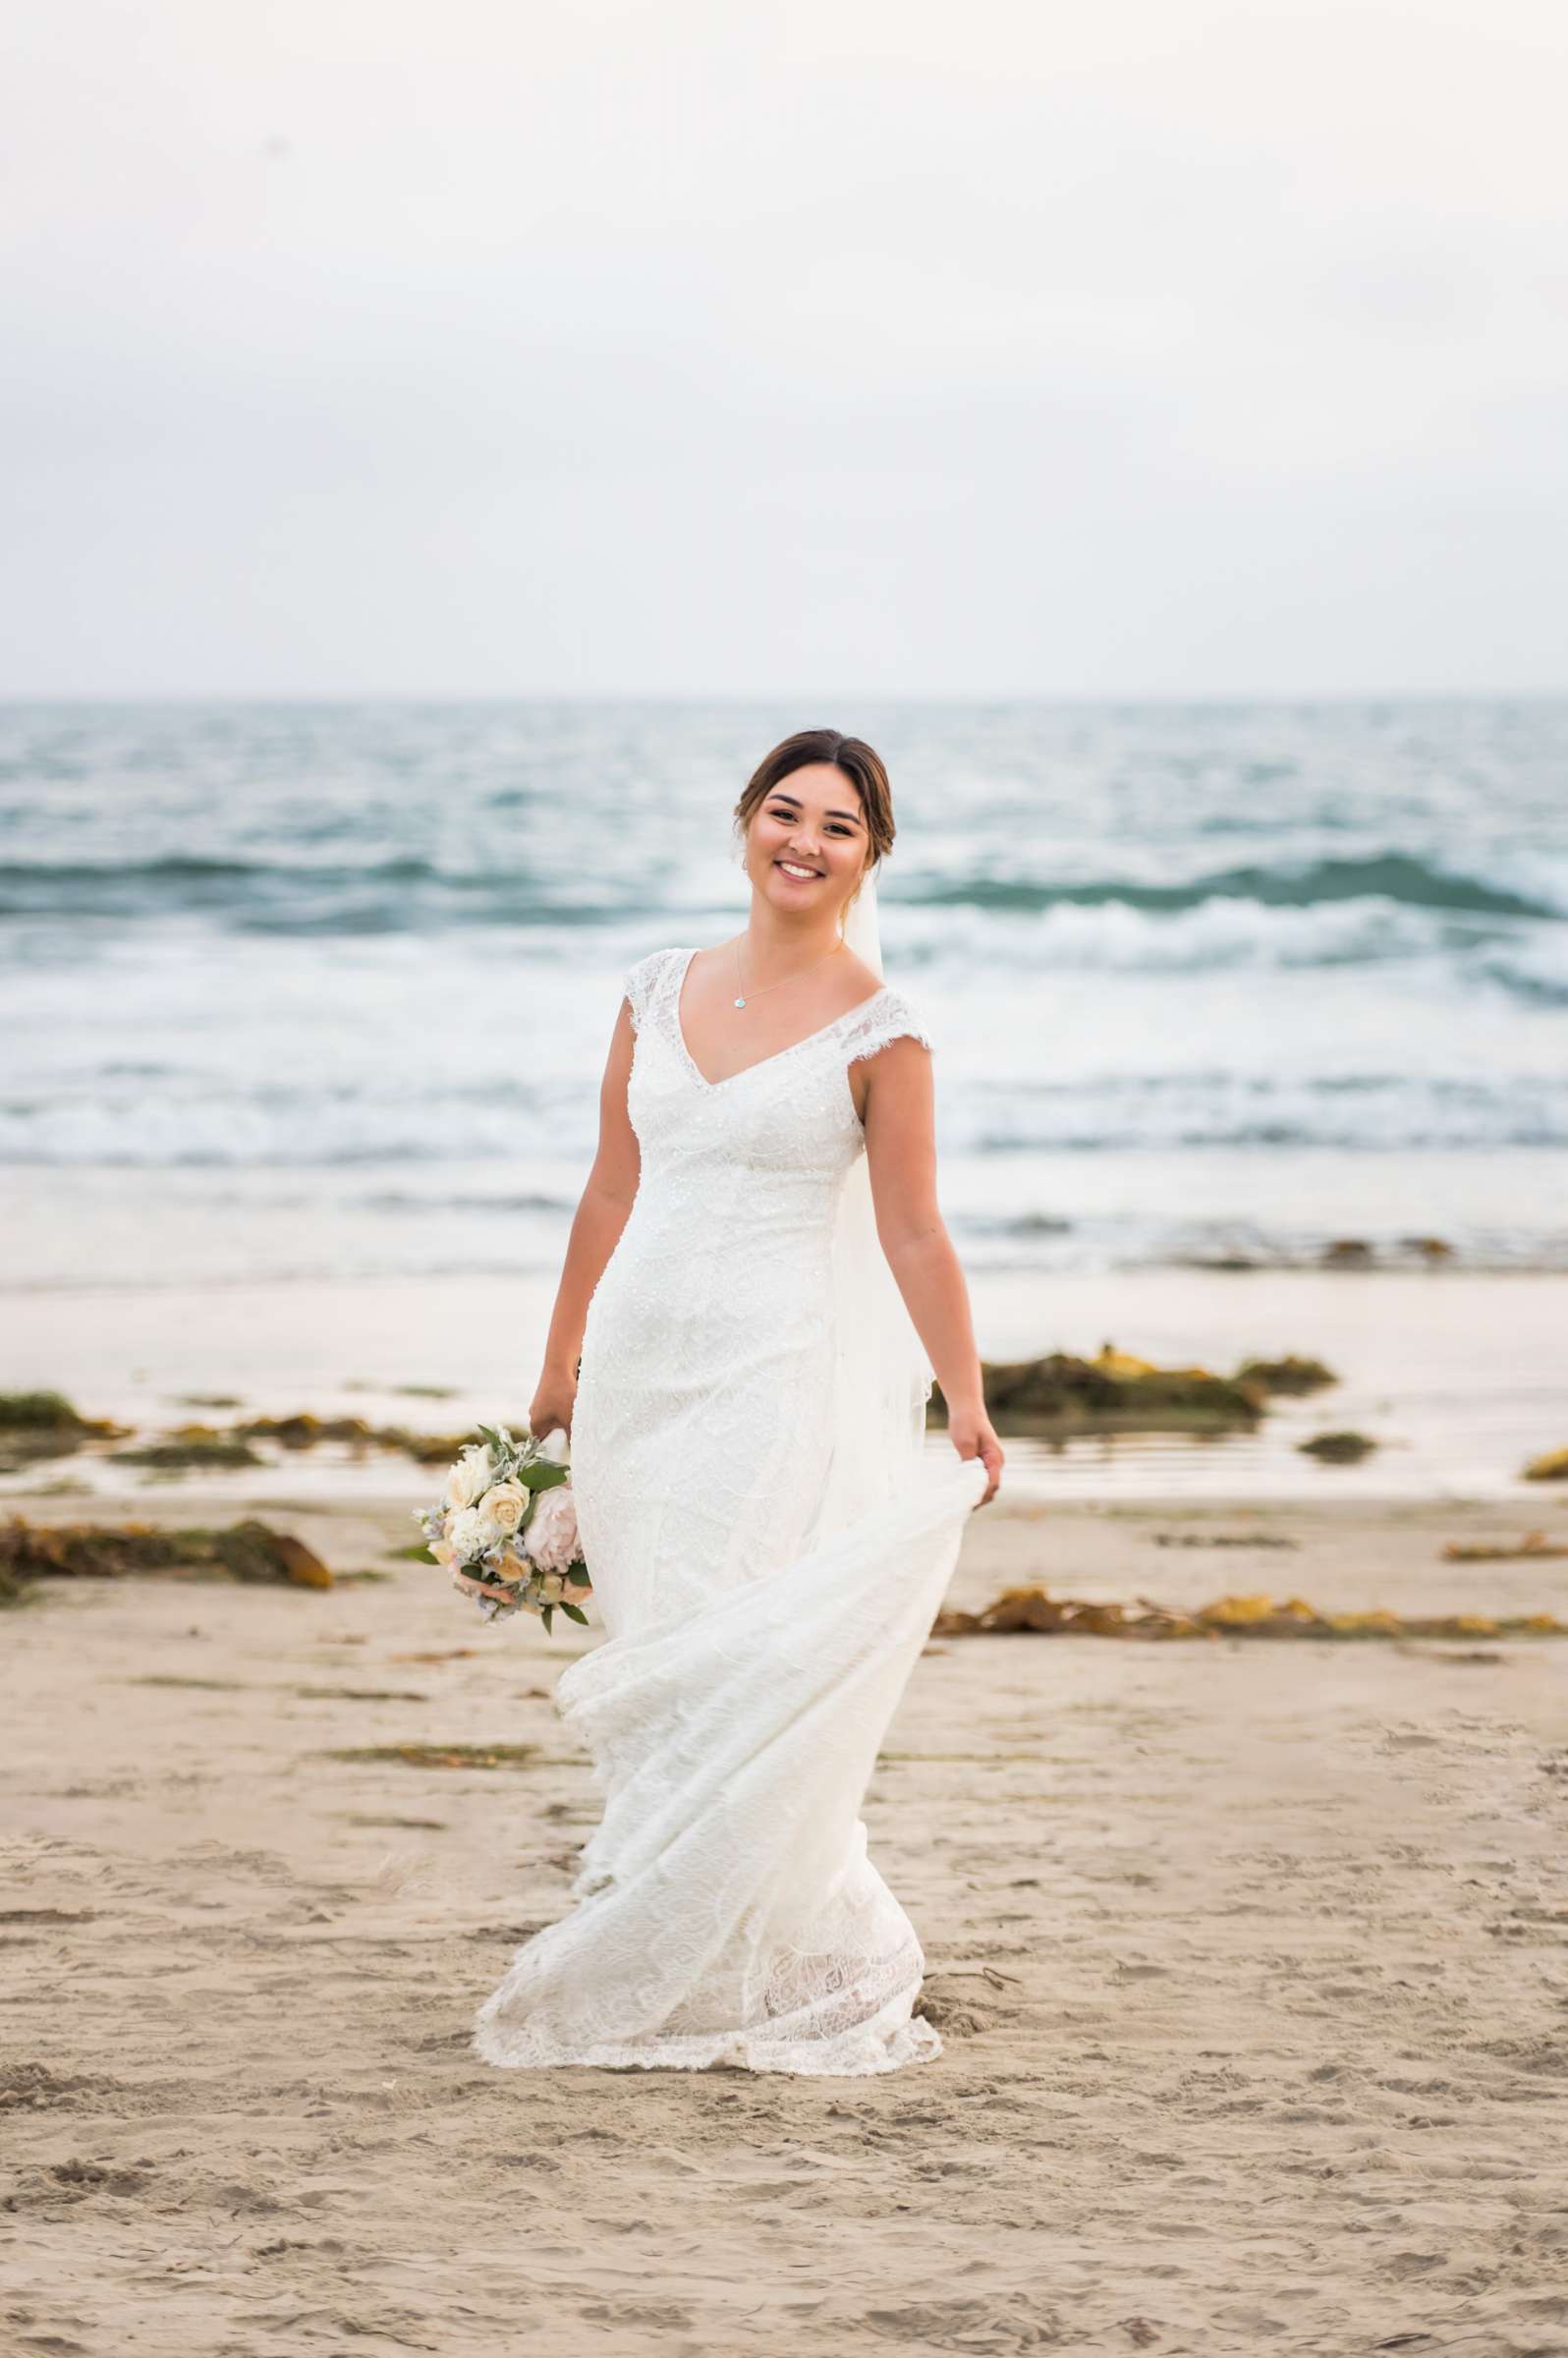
<point>760,1287</point>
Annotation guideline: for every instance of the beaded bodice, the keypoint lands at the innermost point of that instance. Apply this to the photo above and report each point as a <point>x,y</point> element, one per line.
<point>790,1115</point>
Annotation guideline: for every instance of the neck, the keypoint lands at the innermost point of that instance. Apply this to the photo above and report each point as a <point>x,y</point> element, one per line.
<point>777,945</point>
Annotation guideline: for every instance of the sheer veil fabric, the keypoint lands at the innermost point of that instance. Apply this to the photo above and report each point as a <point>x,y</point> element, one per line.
<point>883,1377</point>
<point>768,1550</point>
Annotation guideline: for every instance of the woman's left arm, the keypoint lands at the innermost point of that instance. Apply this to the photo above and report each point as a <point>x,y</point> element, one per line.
<point>899,1117</point>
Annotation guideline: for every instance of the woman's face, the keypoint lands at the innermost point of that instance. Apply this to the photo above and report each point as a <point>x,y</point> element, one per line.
<point>810,823</point>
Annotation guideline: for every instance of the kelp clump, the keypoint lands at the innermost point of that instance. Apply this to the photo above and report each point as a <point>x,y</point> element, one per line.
<point>1533,1548</point>
<point>304,1431</point>
<point>1337,1449</point>
<point>246,1552</point>
<point>1035,1611</point>
<point>218,1445</point>
<point>1111,1393</point>
<point>190,1449</point>
<point>1292,1378</point>
<point>43,1424</point>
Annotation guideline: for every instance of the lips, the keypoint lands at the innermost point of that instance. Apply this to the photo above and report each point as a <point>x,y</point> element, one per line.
<point>795,869</point>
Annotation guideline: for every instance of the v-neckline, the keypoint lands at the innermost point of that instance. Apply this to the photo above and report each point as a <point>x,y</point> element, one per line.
<point>787,1051</point>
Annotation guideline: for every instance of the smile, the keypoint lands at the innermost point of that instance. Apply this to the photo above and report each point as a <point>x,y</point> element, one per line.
<point>791,869</point>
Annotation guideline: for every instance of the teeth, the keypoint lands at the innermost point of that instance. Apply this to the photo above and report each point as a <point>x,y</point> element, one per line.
<point>791,869</point>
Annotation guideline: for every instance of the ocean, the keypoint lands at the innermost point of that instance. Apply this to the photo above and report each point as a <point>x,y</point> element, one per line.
<point>293,992</point>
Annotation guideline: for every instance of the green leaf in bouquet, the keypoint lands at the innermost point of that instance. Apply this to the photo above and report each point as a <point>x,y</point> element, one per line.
<point>545,1611</point>
<point>579,1576</point>
<point>573,1612</point>
<point>542,1475</point>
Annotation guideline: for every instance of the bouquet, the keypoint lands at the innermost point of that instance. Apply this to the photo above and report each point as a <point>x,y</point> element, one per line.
<point>507,1517</point>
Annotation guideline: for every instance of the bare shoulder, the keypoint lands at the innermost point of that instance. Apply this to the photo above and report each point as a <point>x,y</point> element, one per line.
<point>858,981</point>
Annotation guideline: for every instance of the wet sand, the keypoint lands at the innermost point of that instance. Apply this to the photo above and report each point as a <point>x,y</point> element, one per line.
<point>1252,1963</point>
<point>1460,1377</point>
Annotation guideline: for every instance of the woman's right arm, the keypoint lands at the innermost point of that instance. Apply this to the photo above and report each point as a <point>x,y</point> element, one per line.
<point>601,1215</point>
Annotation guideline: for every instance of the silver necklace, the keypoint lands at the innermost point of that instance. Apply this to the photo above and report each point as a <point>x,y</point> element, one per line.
<point>743,994</point>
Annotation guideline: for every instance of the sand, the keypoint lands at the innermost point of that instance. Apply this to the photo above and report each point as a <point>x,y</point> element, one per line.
<point>1251,1962</point>
<point>1459,1375</point>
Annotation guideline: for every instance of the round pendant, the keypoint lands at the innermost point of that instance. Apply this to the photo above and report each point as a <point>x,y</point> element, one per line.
<point>740,1002</point>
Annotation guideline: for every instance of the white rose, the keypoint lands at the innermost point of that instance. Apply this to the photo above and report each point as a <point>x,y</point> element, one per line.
<point>470,1477</point>
<point>551,1536</point>
<point>505,1505</point>
<point>469,1534</point>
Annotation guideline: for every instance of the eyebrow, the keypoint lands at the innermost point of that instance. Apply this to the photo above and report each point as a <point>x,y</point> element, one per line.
<point>780,796</point>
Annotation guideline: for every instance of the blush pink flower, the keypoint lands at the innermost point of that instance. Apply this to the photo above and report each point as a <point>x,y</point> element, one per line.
<point>550,1536</point>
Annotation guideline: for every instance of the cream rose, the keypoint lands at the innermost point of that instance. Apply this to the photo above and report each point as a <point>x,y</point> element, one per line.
<point>551,1537</point>
<point>470,1477</point>
<point>552,1587</point>
<point>505,1505</point>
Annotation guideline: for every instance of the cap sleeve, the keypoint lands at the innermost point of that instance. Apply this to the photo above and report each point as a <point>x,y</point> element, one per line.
<point>640,984</point>
<point>889,1016</point>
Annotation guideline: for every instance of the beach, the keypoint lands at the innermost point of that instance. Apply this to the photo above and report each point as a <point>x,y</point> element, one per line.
<point>504,503</point>
<point>1250,1954</point>
<point>1249,1959</point>
<point>1459,1376</point>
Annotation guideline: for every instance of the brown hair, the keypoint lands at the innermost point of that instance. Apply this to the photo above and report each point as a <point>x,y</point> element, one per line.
<point>864,768</point>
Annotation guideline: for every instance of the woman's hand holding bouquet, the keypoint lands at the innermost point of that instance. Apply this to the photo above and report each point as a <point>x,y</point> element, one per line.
<point>505,1527</point>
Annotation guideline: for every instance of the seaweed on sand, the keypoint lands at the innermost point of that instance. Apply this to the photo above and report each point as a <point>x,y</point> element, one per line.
<point>1111,1393</point>
<point>1292,1376</point>
<point>440,1756</point>
<point>43,1424</point>
<point>243,1551</point>
<point>190,1451</point>
<point>1337,1449</point>
<point>303,1430</point>
<point>1533,1548</point>
<point>1036,1610</point>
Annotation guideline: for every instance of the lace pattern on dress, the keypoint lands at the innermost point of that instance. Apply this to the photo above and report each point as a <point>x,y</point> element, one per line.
<point>725,1909</point>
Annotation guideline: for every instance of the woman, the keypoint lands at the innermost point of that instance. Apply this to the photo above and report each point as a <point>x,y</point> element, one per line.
<point>767,1546</point>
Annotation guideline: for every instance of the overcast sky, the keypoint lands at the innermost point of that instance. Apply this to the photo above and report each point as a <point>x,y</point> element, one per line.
<point>686,347</point>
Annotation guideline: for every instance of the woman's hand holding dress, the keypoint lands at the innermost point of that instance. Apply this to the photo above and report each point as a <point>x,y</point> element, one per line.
<point>973,1434</point>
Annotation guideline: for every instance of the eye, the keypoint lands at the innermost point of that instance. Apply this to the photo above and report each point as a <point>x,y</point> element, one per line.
<point>837,828</point>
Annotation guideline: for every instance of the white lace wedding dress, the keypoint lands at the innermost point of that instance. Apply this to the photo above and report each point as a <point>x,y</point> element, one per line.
<point>766,1576</point>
